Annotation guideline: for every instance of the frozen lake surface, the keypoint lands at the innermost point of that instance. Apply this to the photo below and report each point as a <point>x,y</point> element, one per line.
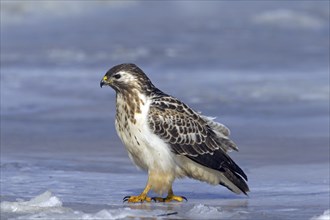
<point>262,69</point>
<point>90,188</point>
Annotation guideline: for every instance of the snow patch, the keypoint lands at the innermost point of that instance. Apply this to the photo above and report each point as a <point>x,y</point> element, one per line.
<point>43,201</point>
<point>22,11</point>
<point>324,216</point>
<point>288,18</point>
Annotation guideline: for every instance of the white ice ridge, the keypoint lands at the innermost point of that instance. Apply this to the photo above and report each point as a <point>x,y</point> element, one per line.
<point>324,216</point>
<point>201,211</point>
<point>43,201</point>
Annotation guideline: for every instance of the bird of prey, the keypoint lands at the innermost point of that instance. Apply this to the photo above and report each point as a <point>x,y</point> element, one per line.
<point>168,139</point>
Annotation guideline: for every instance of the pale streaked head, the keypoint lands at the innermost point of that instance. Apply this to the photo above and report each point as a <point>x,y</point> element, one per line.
<point>125,77</point>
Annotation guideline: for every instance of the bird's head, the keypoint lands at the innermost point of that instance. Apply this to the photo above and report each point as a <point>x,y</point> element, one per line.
<point>126,77</point>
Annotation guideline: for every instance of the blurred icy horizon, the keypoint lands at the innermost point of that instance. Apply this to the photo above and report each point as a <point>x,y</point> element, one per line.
<point>241,35</point>
<point>247,51</point>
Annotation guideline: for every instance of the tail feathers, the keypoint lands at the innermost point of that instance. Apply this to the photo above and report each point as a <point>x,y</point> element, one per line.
<point>234,182</point>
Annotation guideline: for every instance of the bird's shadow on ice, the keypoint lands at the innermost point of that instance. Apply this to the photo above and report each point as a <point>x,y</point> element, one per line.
<point>211,196</point>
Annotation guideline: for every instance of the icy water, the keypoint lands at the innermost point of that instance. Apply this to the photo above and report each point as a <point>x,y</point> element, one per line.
<point>260,68</point>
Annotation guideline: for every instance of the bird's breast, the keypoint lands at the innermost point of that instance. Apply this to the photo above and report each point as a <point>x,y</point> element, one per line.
<point>131,126</point>
<point>129,116</point>
<point>145,148</point>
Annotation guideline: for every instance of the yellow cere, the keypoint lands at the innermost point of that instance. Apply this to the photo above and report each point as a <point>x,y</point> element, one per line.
<point>105,78</point>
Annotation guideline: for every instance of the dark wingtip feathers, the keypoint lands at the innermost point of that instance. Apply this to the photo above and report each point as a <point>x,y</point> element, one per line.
<point>237,180</point>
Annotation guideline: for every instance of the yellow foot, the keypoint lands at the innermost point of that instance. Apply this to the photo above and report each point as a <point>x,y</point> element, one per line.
<point>135,199</point>
<point>170,198</point>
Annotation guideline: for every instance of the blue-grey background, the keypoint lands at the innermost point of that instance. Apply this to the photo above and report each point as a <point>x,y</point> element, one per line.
<point>261,67</point>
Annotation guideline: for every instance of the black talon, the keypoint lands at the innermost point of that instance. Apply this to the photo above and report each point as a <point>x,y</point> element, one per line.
<point>154,199</point>
<point>185,198</point>
<point>125,199</point>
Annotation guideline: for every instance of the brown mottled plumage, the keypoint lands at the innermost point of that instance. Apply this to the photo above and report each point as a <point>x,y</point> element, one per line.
<point>168,139</point>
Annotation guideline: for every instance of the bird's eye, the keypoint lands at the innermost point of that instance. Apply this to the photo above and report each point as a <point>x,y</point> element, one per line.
<point>117,76</point>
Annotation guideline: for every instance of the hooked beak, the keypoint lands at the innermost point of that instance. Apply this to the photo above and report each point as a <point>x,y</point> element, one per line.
<point>105,81</point>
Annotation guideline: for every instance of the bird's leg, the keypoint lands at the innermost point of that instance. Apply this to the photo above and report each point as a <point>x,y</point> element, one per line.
<point>140,198</point>
<point>170,197</point>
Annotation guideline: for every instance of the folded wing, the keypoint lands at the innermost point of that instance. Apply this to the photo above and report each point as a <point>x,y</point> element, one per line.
<point>197,137</point>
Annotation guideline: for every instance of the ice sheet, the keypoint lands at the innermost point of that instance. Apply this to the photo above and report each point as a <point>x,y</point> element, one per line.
<point>277,191</point>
